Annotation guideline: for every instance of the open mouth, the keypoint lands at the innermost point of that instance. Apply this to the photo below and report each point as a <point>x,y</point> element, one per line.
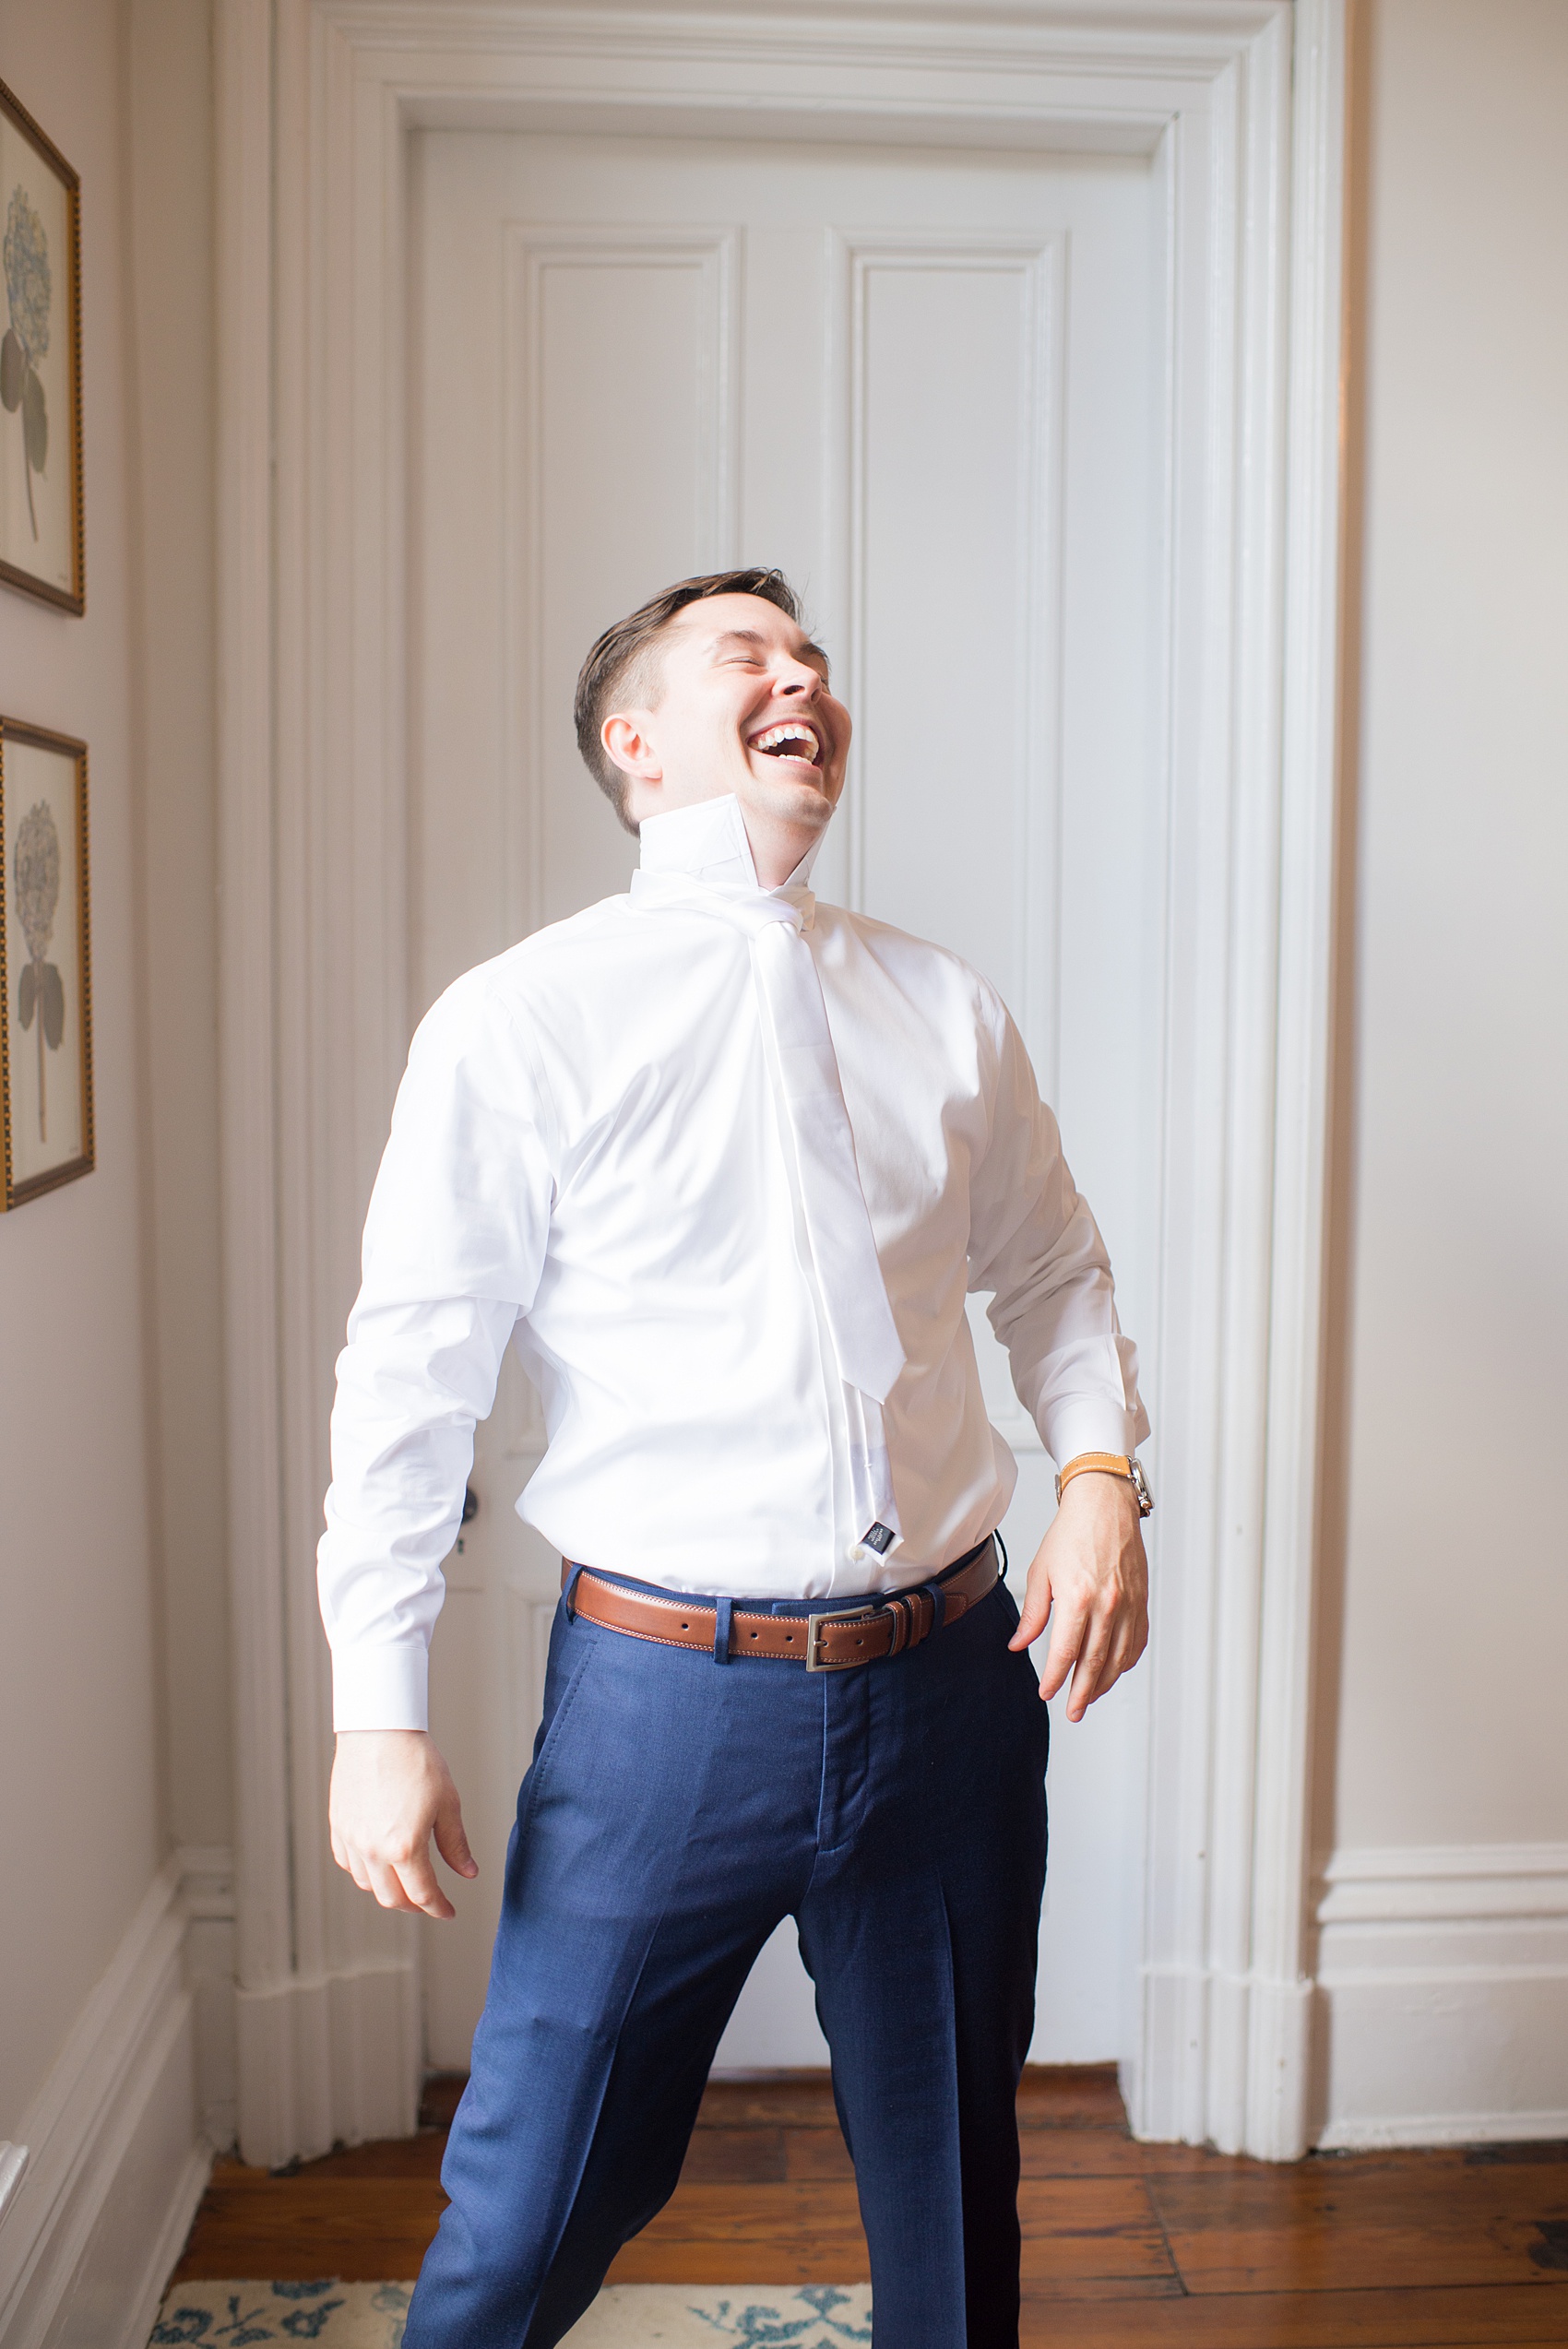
<point>794,740</point>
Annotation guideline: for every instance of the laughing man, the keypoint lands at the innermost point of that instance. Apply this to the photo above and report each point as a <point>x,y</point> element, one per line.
<point>723,1162</point>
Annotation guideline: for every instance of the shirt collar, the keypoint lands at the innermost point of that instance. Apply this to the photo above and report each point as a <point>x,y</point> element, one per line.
<point>709,843</point>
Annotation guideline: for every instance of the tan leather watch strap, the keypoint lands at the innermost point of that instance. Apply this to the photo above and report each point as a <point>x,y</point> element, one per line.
<point>1108,1463</point>
<point>1104,1463</point>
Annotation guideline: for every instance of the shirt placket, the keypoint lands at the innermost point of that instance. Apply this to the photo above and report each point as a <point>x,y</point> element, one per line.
<point>846,1552</point>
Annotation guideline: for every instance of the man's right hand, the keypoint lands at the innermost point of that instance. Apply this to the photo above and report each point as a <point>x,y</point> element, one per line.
<point>390,1792</point>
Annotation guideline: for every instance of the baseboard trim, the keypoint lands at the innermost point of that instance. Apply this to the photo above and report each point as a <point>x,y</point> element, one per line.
<point>1442,1995</point>
<point>189,2189</point>
<point>1361,2136</point>
<point>1443,1883</point>
<point>116,2162</point>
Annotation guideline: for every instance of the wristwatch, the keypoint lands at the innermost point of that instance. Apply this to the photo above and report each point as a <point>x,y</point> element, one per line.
<point>1111,1463</point>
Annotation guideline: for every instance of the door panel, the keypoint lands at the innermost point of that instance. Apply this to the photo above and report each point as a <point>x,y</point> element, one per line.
<point>950,571</point>
<point>928,385</point>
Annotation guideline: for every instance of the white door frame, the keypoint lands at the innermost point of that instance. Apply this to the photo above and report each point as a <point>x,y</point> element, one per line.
<point>1241,103</point>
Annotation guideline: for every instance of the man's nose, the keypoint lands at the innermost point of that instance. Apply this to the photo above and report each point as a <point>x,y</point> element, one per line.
<point>799,679</point>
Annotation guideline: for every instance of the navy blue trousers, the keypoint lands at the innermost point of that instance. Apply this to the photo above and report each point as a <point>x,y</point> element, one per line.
<point>678,1809</point>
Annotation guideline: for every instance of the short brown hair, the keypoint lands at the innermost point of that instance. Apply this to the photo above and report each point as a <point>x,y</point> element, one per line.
<point>613,659</point>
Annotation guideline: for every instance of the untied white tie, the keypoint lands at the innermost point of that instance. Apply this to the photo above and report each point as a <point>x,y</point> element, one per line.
<point>864,1335</point>
<point>854,1296</point>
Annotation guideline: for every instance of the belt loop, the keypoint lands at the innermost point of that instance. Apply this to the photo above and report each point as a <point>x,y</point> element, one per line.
<point>938,1598</point>
<point>570,1592</point>
<point>721,1611</point>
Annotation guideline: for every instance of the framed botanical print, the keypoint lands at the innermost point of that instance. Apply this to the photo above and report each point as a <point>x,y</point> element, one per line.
<point>40,364</point>
<point>45,963</point>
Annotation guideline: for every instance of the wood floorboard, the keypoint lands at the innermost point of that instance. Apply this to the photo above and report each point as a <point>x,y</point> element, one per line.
<point>1079,2229</point>
<point>1125,2246</point>
<point>363,2230</point>
<point>647,2261</point>
<point>1413,2318</point>
<point>1340,2224</point>
<point>811,2153</point>
<point>1080,2152</point>
<point>779,2100</point>
<point>816,2211</point>
<point>754,2156</point>
<point>1083,2096</point>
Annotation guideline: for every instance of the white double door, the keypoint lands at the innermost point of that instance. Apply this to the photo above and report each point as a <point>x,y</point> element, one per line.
<point>928,385</point>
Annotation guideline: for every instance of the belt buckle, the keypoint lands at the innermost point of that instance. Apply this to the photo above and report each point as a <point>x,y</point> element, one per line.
<point>815,1660</point>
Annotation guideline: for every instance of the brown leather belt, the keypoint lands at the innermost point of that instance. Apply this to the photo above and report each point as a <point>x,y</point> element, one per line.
<point>835,1639</point>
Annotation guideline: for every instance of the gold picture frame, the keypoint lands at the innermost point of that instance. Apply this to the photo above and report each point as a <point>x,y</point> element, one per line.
<point>42,545</point>
<point>46,1136</point>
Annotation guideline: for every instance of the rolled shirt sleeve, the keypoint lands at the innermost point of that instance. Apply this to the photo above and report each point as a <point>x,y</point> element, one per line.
<point>1036,1246</point>
<point>454,1245</point>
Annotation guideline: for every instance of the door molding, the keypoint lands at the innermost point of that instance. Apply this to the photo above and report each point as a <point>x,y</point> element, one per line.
<point>1240,105</point>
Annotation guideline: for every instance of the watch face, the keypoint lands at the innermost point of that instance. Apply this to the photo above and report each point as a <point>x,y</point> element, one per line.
<point>1140,1486</point>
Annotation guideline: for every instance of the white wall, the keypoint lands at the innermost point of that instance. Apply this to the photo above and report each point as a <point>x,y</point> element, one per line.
<point>1443,1745</point>
<point>114,1740</point>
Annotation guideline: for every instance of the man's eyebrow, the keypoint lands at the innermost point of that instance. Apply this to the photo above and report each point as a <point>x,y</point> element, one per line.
<point>809,651</point>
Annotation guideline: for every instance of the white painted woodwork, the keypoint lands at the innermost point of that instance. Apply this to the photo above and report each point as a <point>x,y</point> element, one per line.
<point>1441,1978</point>
<point>93,2217</point>
<point>1236,104</point>
<point>867,370</point>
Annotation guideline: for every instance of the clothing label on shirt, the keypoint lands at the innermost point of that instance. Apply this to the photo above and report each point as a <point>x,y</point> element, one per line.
<point>881,1538</point>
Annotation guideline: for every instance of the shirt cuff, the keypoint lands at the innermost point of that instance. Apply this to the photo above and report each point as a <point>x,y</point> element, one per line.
<point>1092,1424</point>
<point>381,1688</point>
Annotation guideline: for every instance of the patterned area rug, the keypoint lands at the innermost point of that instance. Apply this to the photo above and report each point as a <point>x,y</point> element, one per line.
<point>625,2316</point>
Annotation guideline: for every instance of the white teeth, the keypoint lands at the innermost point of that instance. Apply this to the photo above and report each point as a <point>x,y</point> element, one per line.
<point>777,734</point>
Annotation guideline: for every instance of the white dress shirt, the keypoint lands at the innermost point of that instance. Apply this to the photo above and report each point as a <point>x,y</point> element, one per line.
<point>593,1157</point>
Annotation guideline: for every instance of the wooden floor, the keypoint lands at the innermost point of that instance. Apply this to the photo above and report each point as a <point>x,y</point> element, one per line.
<point>1123,2244</point>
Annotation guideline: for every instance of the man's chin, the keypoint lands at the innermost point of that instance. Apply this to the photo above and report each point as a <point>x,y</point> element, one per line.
<point>791,800</point>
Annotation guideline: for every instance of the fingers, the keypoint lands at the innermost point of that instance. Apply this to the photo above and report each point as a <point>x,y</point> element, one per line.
<point>1036,1609</point>
<point>1067,1642</point>
<point>1090,1582</point>
<point>450,1840</point>
<point>414,1881</point>
<point>407,1885</point>
<point>389,1790</point>
<point>1090,1674</point>
<point>1112,1645</point>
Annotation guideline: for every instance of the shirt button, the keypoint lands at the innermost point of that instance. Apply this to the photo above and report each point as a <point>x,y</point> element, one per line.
<point>856,1553</point>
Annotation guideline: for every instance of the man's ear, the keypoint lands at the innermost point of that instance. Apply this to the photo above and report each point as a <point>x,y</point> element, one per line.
<point>627,744</point>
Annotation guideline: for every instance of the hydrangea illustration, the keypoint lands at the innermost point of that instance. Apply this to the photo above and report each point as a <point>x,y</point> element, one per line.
<point>40,989</point>
<point>29,293</point>
<point>27,287</point>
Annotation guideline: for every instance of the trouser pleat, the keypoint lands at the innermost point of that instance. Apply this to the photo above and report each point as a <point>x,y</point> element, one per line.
<point>882,1974</point>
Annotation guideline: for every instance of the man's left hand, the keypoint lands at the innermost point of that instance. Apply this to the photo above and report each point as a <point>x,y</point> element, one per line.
<point>1090,1579</point>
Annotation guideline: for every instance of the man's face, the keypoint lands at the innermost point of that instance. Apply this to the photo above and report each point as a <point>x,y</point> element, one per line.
<point>742,704</point>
